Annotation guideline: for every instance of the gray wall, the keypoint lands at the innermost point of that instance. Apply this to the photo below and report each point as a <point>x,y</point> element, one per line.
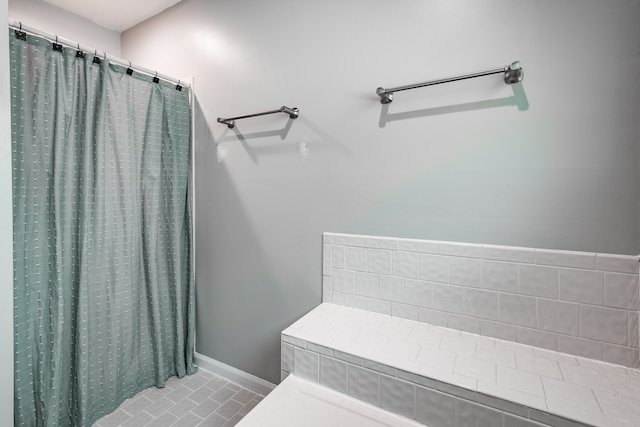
<point>551,163</point>
<point>53,20</point>
<point>6,233</point>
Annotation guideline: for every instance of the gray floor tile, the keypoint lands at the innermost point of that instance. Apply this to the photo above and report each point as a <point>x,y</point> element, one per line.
<point>214,420</point>
<point>180,409</point>
<point>139,419</point>
<point>164,420</point>
<point>206,408</point>
<point>202,399</point>
<point>189,420</point>
<point>159,407</point>
<point>224,394</point>
<point>229,408</point>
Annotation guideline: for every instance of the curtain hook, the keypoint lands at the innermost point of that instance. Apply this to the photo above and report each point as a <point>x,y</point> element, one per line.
<point>20,25</point>
<point>179,86</point>
<point>129,70</point>
<point>155,78</point>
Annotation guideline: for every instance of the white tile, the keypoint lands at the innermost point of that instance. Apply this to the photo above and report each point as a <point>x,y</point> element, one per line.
<point>381,243</point>
<point>427,339</point>
<point>522,381</point>
<point>355,301</point>
<point>434,268</point>
<point>458,346</point>
<point>621,291</point>
<point>620,355</point>
<point>448,298</point>
<point>398,396</point>
<point>348,240</point>
<point>306,364</point>
<point>392,288</point>
<point>444,331</point>
<point>538,280</point>
<point>512,395</point>
<point>536,338</point>
<point>619,263</point>
<point>401,349</point>
<point>509,253</point>
<point>580,347</point>
<point>379,261</point>
<point>579,414</point>
<point>554,355</point>
<point>449,377</point>
<point>470,414</point>
<point>604,324</point>
<point>497,355</point>
<point>355,258</point>
<point>422,246</point>
<point>327,259</point>
<point>286,357</point>
<point>433,317</point>
<point>436,358</point>
<point>367,343</point>
<point>626,386</point>
<point>498,330</point>
<point>585,260</point>
<point>465,271</point>
<point>435,408</point>
<point>363,384</point>
<point>538,365</point>
<point>570,394</point>
<point>337,256</point>
<point>333,374</point>
<point>500,276</point>
<point>517,310</point>
<point>367,284</point>
<point>379,306</point>
<point>467,250</point>
<point>634,329</point>
<point>418,293</point>
<point>557,316</point>
<point>481,303</point>
<point>464,323</point>
<point>404,311</point>
<point>475,368</point>
<point>583,286</point>
<point>395,331</point>
<point>327,289</point>
<point>405,264</point>
<point>587,377</point>
<point>344,281</point>
<point>619,406</point>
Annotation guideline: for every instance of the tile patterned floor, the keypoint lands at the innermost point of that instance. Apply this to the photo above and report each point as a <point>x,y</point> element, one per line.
<point>202,399</point>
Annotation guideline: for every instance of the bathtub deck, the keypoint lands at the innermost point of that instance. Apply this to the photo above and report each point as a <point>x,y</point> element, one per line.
<point>524,381</point>
<point>296,402</point>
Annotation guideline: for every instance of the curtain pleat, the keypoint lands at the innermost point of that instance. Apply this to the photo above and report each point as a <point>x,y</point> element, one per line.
<point>103,285</point>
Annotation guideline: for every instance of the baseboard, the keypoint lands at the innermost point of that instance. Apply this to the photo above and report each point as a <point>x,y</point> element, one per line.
<point>244,379</point>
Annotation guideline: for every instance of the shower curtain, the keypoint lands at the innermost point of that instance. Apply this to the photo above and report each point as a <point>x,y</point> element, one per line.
<point>104,289</point>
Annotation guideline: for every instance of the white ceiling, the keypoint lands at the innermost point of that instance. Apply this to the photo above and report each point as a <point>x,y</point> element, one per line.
<point>116,15</point>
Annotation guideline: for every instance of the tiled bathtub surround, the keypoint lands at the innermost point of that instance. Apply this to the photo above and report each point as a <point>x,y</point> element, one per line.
<point>445,378</point>
<point>580,303</point>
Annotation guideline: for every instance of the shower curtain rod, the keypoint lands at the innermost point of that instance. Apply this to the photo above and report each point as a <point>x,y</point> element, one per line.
<point>17,25</point>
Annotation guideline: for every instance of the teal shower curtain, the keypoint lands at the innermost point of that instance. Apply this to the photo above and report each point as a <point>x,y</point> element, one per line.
<point>104,287</point>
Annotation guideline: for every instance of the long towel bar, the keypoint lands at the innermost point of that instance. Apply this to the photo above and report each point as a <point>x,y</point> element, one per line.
<point>513,73</point>
<point>231,121</point>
